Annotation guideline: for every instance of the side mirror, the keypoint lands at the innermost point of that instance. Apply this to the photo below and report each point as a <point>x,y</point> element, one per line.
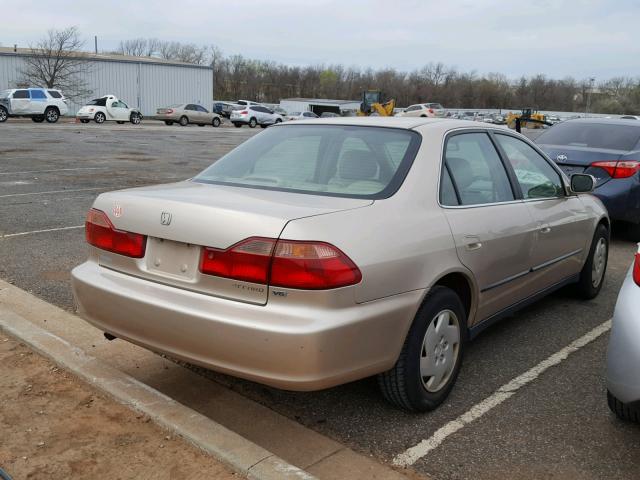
<point>582,183</point>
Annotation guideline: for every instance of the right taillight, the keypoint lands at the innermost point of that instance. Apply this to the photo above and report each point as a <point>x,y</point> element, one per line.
<point>100,232</point>
<point>623,169</point>
<point>282,263</point>
<point>169,110</point>
<point>636,267</point>
<point>244,112</point>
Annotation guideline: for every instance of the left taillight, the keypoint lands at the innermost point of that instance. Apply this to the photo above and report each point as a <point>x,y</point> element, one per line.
<point>100,232</point>
<point>636,267</point>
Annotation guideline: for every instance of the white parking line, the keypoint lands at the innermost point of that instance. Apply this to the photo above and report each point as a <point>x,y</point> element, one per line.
<point>56,191</point>
<point>506,391</point>
<point>41,231</point>
<point>53,170</point>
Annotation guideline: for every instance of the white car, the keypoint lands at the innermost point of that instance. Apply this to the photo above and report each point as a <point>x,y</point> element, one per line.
<point>301,116</point>
<point>108,108</point>
<point>39,104</point>
<point>254,115</point>
<point>423,110</point>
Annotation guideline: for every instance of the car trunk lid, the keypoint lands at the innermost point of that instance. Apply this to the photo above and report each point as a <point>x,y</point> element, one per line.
<point>180,219</point>
<point>576,159</point>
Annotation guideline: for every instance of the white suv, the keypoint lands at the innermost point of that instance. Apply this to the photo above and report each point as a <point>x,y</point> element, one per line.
<point>39,104</point>
<point>254,115</point>
<point>423,110</point>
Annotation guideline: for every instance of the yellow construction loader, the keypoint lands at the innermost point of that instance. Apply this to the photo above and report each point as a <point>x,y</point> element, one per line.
<point>529,118</point>
<point>372,104</point>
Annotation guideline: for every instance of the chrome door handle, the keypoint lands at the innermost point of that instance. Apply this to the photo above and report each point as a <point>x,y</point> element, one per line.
<point>545,229</point>
<point>474,246</point>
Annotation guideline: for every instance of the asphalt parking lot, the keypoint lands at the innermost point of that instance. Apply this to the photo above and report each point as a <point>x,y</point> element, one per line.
<point>556,426</point>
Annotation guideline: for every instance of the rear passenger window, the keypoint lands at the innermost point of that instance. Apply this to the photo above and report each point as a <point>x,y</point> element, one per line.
<point>21,94</point>
<point>478,175</point>
<point>38,95</point>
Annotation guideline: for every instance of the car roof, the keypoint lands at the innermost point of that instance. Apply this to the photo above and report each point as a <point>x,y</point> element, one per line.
<point>407,123</point>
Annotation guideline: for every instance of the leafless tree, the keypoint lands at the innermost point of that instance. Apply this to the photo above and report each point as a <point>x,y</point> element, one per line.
<point>57,61</point>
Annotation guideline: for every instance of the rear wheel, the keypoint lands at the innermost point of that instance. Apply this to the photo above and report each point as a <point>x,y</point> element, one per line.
<point>237,125</point>
<point>51,114</point>
<point>99,117</point>
<point>592,274</point>
<point>253,123</point>
<point>184,121</point>
<point>278,120</point>
<point>629,413</point>
<point>430,360</point>
<point>168,122</point>
<point>38,119</point>
<point>3,114</point>
<point>215,122</point>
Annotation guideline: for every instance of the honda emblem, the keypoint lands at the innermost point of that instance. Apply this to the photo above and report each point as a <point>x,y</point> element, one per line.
<point>165,218</point>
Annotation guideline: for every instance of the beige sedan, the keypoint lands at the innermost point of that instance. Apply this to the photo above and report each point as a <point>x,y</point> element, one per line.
<point>323,251</point>
<point>186,113</point>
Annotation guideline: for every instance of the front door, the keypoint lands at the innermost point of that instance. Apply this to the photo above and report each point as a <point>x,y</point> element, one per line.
<point>492,229</point>
<point>563,223</point>
<point>118,111</point>
<point>20,102</point>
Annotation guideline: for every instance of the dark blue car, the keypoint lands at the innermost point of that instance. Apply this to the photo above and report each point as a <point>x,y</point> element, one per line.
<point>609,150</point>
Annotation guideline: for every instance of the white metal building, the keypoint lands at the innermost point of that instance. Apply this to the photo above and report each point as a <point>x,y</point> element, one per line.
<point>142,82</point>
<point>319,105</point>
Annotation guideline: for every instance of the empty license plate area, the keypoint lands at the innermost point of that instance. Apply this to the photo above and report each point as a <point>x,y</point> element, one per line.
<point>172,259</point>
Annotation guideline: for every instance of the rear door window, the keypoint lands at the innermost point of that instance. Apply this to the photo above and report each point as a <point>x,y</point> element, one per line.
<point>38,95</point>
<point>478,175</point>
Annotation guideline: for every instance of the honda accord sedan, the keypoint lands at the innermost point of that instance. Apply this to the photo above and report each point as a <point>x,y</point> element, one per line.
<point>325,251</point>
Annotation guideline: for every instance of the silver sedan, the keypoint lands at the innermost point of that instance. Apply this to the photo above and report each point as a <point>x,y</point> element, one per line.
<point>324,251</point>
<point>623,356</point>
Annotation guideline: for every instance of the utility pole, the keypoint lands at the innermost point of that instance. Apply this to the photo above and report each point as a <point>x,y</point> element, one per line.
<point>95,40</point>
<point>588,104</point>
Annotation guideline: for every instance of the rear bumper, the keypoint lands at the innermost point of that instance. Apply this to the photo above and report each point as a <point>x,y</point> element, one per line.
<point>623,355</point>
<point>293,346</point>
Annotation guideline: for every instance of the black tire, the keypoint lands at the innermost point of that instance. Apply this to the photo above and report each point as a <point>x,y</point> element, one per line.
<point>38,119</point>
<point>215,122</point>
<point>278,120</point>
<point>263,125</point>
<point>253,123</point>
<point>423,116</point>
<point>52,114</point>
<point>237,125</point>
<point>120,123</point>
<point>586,287</point>
<point>3,114</point>
<point>168,122</point>
<point>184,121</point>
<point>99,117</point>
<point>628,413</point>
<point>403,385</point>
<point>135,118</point>
<point>84,120</point>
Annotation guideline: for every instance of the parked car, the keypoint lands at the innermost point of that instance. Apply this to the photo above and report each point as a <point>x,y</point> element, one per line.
<point>247,102</point>
<point>467,115</point>
<point>630,117</point>
<point>301,116</point>
<point>623,354</point>
<point>223,108</point>
<point>254,115</point>
<point>423,110</point>
<point>608,149</point>
<point>39,104</point>
<point>186,113</point>
<point>329,115</point>
<point>108,108</point>
<point>263,266</point>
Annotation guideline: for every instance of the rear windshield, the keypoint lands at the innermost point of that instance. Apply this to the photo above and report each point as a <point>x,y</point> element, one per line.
<point>100,102</point>
<point>592,135</point>
<point>335,160</point>
<point>437,106</point>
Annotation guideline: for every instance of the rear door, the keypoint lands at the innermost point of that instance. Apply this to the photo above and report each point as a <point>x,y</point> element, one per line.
<point>38,102</point>
<point>564,228</point>
<point>493,229</point>
<point>20,102</point>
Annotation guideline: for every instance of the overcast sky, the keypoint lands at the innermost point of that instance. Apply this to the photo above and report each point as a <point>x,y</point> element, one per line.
<point>558,38</point>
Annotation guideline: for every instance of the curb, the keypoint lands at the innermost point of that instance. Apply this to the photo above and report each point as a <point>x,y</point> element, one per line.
<point>238,453</point>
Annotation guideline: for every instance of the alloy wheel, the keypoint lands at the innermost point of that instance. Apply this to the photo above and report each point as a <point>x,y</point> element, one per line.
<point>599,262</point>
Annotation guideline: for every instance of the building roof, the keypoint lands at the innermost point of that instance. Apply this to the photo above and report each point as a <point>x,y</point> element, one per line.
<point>107,57</point>
<point>319,100</point>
